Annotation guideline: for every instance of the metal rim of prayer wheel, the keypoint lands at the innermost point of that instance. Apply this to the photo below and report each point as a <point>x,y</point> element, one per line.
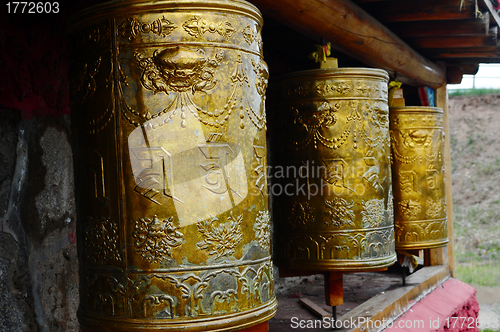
<point>417,141</point>
<point>170,154</point>
<point>332,127</point>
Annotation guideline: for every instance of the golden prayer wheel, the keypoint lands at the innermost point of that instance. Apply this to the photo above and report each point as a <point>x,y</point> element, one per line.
<point>170,156</point>
<point>417,141</point>
<point>331,180</point>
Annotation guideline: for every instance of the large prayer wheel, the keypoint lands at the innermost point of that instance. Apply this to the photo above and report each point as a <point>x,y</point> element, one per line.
<point>170,156</point>
<point>418,177</point>
<point>331,178</point>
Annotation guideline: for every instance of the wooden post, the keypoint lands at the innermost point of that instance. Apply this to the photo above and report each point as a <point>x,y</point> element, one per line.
<point>444,256</point>
<point>334,288</point>
<point>442,101</point>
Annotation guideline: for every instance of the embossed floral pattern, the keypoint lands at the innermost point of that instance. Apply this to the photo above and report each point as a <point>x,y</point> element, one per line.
<point>339,212</point>
<point>262,227</point>
<point>409,209</point>
<point>220,240</point>
<point>373,212</point>
<point>101,241</point>
<point>156,238</point>
<point>250,36</point>
<point>390,207</point>
<point>301,214</point>
<point>434,208</point>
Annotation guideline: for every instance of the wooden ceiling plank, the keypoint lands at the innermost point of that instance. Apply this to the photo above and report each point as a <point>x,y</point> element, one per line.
<point>423,10</point>
<point>453,41</point>
<point>350,28</point>
<point>494,55</point>
<point>477,60</point>
<point>477,27</point>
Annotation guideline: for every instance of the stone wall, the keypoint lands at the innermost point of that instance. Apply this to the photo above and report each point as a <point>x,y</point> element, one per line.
<point>38,262</point>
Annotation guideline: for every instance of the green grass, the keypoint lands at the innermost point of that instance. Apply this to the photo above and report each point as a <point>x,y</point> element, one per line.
<point>472,92</point>
<point>479,273</point>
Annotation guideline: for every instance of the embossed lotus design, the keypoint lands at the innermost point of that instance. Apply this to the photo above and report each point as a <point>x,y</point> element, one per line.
<point>155,238</point>
<point>220,240</point>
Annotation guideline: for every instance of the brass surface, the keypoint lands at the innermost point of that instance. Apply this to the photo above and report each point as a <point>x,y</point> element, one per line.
<point>417,141</point>
<point>331,180</point>
<point>170,155</point>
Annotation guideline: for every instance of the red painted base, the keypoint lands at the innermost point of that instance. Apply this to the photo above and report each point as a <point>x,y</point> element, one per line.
<point>262,327</point>
<point>452,307</point>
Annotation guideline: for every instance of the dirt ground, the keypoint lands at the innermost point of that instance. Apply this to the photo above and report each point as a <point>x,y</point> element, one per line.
<point>475,154</point>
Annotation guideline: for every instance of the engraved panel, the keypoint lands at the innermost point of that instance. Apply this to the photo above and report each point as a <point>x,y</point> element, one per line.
<point>337,120</point>
<point>160,100</point>
<point>418,172</point>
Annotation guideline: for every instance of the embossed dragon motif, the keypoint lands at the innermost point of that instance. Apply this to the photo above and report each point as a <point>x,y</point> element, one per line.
<point>155,238</point>
<point>314,125</point>
<point>181,70</point>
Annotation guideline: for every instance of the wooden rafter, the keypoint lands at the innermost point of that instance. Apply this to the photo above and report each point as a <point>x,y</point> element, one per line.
<point>356,33</point>
<point>423,10</point>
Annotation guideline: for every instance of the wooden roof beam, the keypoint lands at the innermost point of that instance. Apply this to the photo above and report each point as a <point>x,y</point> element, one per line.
<point>423,10</point>
<point>474,27</point>
<point>486,52</point>
<point>356,33</point>
<point>453,41</point>
<point>478,59</point>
